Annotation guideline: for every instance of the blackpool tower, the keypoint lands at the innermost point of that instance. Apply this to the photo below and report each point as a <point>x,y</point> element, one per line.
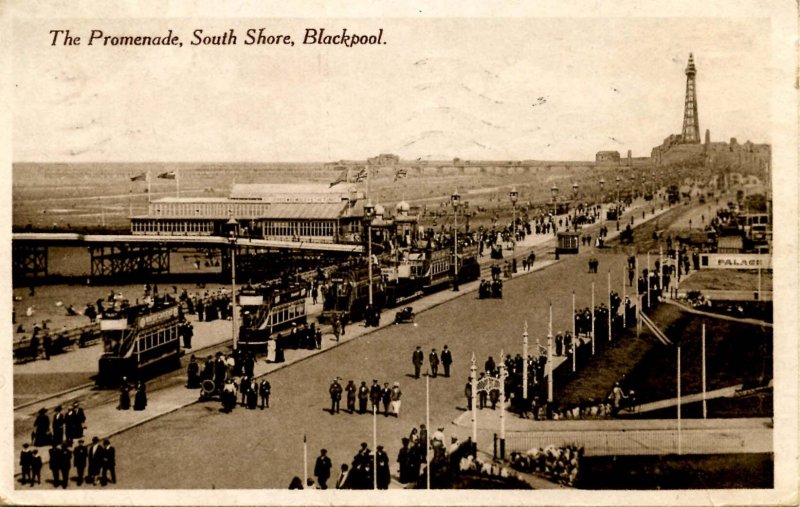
<point>691,125</point>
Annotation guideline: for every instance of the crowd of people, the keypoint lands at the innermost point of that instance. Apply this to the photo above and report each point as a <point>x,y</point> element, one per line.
<point>559,464</point>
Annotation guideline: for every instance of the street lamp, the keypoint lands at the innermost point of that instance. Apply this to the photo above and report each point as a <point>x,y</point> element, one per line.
<point>602,194</point>
<point>232,223</point>
<point>618,179</point>
<point>554,193</point>
<point>514,195</point>
<point>369,213</point>
<point>455,200</point>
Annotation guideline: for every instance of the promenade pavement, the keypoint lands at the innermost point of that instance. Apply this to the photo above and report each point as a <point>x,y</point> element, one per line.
<point>105,420</point>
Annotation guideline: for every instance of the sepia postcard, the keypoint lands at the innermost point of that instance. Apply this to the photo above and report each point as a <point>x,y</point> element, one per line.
<point>360,253</point>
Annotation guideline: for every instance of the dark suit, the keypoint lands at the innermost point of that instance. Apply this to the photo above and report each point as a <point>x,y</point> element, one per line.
<point>322,470</point>
<point>109,464</point>
<point>79,456</point>
<point>65,463</point>
<point>95,453</point>
<point>447,360</point>
<point>418,357</point>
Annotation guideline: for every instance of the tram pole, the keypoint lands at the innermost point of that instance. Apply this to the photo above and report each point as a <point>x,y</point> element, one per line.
<point>592,318</point>
<point>375,447</point>
<point>525,362</point>
<point>427,425</point>
<point>233,291</point>
<point>610,314</point>
<point>474,382</point>
<point>305,461</point>
<point>703,354</point>
<point>680,447</point>
<point>624,295</point>
<point>648,279</point>
<point>503,374</point>
<point>550,357</point>
<point>574,341</point>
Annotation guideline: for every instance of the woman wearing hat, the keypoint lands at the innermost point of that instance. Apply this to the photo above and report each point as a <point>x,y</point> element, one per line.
<point>41,428</point>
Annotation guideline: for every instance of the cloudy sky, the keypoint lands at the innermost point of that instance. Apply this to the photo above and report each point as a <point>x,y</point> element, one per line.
<point>439,88</point>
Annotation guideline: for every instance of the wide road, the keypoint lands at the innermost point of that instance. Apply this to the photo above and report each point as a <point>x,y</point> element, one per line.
<point>200,447</point>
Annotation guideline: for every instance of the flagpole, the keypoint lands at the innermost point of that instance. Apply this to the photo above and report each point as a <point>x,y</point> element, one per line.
<point>305,461</point>
<point>427,425</point>
<point>550,357</point>
<point>592,318</point>
<point>375,447</point>
<point>703,350</point>
<point>610,315</point>
<point>148,188</point>
<point>679,401</point>
<point>574,341</point>
<point>177,183</point>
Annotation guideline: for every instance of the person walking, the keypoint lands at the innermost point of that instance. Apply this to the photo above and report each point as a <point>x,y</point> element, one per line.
<point>124,395</point>
<point>395,399</point>
<point>264,389</point>
<point>375,395</point>
<point>140,398</point>
<point>433,358</point>
<point>79,455</point>
<point>363,396</point>
<point>386,398</point>
<point>65,463</point>
<point>322,469</point>
<point>25,462</point>
<point>41,429</point>
<point>109,463</point>
<point>351,390</point>
<point>335,391</point>
<point>55,464</point>
<point>59,422</point>
<point>383,477</point>
<point>417,358</point>
<point>95,455</point>
<point>447,360</point>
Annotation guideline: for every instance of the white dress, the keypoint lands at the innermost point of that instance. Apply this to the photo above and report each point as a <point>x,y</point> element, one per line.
<point>271,351</point>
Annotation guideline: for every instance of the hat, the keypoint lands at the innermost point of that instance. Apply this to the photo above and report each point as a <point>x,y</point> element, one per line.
<point>42,410</point>
<point>441,428</point>
<point>397,384</point>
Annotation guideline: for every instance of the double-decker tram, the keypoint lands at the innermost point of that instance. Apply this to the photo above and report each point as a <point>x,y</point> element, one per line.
<point>138,340</point>
<point>268,311</point>
<point>347,295</point>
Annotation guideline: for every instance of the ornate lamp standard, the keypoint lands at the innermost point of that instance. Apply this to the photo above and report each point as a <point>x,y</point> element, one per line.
<point>618,179</point>
<point>554,193</point>
<point>369,214</point>
<point>455,200</point>
<point>514,195</point>
<point>602,195</point>
<point>233,224</point>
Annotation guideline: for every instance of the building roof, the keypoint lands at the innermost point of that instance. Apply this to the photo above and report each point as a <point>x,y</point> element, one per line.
<point>302,191</point>
<point>305,211</point>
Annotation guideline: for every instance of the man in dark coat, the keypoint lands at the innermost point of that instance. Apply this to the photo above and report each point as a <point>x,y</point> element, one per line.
<point>386,398</point>
<point>447,360</point>
<point>335,391</point>
<point>109,463</point>
<point>95,454</point>
<point>404,460</point>
<point>433,358</point>
<point>264,390</point>
<point>322,469</point>
<point>59,422</point>
<point>418,357</point>
<point>55,464</point>
<point>65,463</point>
<point>74,422</point>
<point>382,468</point>
<point>375,395</point>
<point>25,462</point>
<point>79,456</point>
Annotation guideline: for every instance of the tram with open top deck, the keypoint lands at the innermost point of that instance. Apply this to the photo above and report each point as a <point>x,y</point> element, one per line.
<point>269,310</point>
<point>138,339</point>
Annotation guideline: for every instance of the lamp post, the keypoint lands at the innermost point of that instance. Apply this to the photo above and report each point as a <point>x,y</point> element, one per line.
<point>473,379</point>
<point>618,179</point>
<point>455,200</point>
<point>554,193</point>
<point>369,211</point>
<point>232,241</point>
<point>525,362</point>
<point>514,195</point>
<point>602,194</point>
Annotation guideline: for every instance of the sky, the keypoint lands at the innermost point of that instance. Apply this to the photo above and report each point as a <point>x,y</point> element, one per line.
<point>481,88</point>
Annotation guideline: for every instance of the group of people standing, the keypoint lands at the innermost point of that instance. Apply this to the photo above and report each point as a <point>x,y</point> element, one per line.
<point>67,426</point>
<point>139,397</point>
<point>389,397</point>
<point>418,359</point>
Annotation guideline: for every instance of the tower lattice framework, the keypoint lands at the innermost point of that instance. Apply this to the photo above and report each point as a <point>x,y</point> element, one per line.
<point>691,124</point>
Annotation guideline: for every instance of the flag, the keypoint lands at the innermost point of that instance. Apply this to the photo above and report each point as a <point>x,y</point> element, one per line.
<point>167,176</point>
<point>139,177</point>
<point>400,172</point>
<point>360,176</point>
<point>340,179</point>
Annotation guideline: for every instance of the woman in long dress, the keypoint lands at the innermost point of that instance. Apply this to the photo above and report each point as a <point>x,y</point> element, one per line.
<point>271,351</point>
<point>140,399</point>
<point>124,395</point>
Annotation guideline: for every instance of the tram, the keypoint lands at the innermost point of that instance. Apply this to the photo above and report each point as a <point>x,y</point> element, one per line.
<point>427,271</point>
<point>347,297</point>
<point>268,310</point>
<point>138,339</point>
